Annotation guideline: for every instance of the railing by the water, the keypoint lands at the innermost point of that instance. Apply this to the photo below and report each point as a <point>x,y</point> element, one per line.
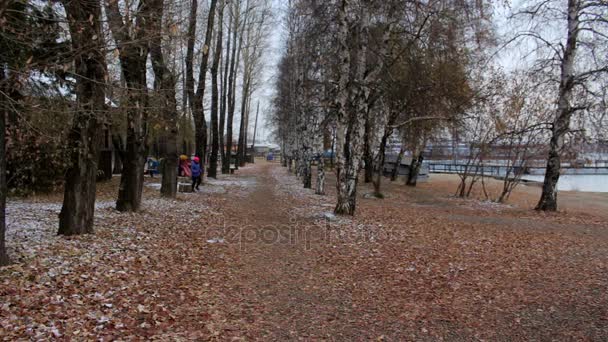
<point>501,170</point>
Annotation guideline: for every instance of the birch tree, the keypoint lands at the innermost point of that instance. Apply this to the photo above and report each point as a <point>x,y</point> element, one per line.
<point>574,60</point>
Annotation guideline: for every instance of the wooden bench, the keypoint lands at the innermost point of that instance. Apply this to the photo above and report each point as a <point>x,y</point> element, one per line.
<point>184,187</point>
<point>232,168</point>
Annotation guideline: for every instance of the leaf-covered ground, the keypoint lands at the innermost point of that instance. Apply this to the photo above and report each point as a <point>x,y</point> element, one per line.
<point>255,256</point>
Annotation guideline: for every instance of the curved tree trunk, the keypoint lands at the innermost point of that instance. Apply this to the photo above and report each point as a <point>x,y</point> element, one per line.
<point>548,198</point>
<point>85,138</point>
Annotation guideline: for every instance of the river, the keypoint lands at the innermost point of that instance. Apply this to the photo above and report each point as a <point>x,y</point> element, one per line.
<point>584,183</point>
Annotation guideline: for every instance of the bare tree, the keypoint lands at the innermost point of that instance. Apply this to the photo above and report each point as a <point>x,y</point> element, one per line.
<point>576,60</point>
<point>164,84</point>
<point>215,132</point>
<point>132,40</point>
<point>77,212</point>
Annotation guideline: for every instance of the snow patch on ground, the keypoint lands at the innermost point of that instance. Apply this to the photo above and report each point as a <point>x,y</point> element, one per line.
<point>484,205</point>
<point>315,206</point>
<point>155,186</point>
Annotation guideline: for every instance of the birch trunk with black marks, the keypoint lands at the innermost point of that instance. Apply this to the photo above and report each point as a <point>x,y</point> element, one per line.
<point>164,84</point>
<point>351,121</point>
<point>343,205</point>
<point>561,124</point>
<point>85,137</point>
<point>320,189</point>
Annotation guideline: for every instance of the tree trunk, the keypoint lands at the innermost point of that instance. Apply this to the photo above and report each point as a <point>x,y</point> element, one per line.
<point>190,52</point>
<point>133,48</point>
<point>367,150</point>
<point>307,174</point>
<point>382,155</point>
<point>344,205</point>
<point>224,104</point>
<point>234,65</point>
<point>215,136</point>
<point>85,138</point>
<point>412,177</point>
<point>241,143</point>
<point>320,190</point>
<point>119,151</point>
<point>200,125</point>
<point>4,260</point>
<point>255,130</point>
<point>164,84</point>
<point>395,171</point>
<point>561,125</point>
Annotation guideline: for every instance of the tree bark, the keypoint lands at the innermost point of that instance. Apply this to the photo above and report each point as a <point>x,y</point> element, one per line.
<point>241,143</point>
<point>343,206</point>
<point>320,190</point>
<point>367,150</point>
<point>234,65</point>
<point>224,104</point>
<point>119,150</point>
<point>164,84</point>
<point>561,125</point>
<point>4,260</point>
<point>85,137</point>
<point>215,137</point>
<point>133,48</point>
<point>382,154</point>
<point>255,130</point>
<point>412,177</point>
<point>395,171</point>
<point>200,125</point>
<point>190,52</point>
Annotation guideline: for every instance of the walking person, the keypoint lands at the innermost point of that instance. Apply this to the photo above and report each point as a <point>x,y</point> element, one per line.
<point>197,172</point>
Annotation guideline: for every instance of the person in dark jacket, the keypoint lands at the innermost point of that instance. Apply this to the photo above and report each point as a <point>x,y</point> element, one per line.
<point>197,172</point>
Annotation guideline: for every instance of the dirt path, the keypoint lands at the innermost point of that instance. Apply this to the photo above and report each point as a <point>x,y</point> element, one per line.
<point>278,275</point>
<point>252,257</point>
